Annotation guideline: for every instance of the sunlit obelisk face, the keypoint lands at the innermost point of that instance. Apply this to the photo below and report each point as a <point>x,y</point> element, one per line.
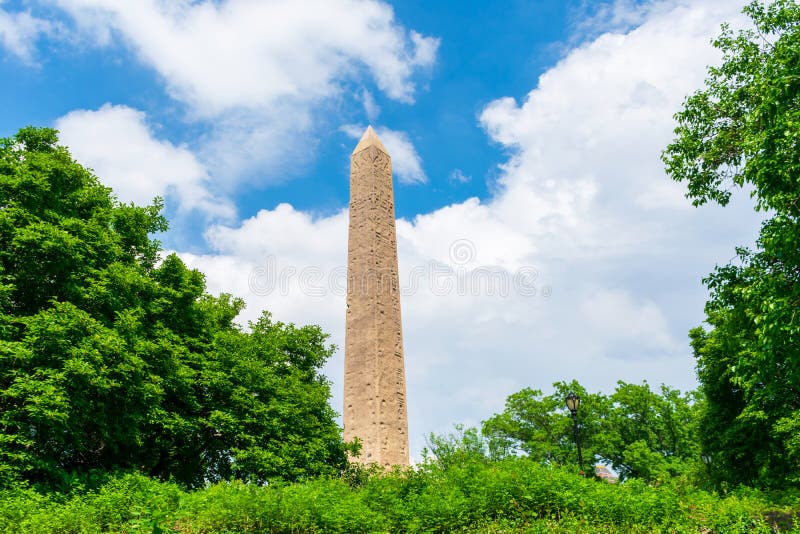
<point>374,371</point>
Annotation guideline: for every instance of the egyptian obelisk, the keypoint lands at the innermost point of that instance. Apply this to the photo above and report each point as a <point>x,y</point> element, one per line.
<point>374,371</point>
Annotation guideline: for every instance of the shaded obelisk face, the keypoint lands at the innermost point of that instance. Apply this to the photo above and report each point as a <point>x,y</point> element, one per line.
<point>374,372</point>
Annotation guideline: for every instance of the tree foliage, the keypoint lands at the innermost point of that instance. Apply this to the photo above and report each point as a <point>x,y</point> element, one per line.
<point>114,358</point>
<point>640,433</point>
<point>743,130</point>
<point>542,428</point>
<point>651,435</point>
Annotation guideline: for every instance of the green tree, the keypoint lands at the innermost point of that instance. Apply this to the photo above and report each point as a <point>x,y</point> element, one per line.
<point>466,444</point>
<point>743,130</point>
<point>640,433</point>
<point>650,435</point>
<point>542,428</point>
<point>114,358</point>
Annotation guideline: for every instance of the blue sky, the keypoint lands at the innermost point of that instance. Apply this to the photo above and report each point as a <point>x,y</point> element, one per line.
<point>539,238</point>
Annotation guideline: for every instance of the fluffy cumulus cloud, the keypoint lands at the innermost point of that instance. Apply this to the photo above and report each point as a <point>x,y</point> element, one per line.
<point>117,143</point>
<point>586,262</point>
<point>20,31</point>
<point>238,53</point>
<point>238,63</point>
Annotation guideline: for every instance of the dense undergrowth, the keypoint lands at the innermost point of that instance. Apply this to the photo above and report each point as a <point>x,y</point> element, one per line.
<point>509,495</point>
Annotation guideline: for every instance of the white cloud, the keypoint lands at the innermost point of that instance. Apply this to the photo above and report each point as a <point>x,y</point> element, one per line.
<point>238,53</point>
<point>406,162</point>
<point>257,72</point>
<point>246,148</point>
<point>615,316</point>
<point>583,210</point>
<point>116,142</point>
<point>283,224</point>
<point>19,33</point>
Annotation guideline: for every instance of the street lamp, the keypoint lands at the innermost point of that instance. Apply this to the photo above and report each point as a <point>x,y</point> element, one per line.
<point>573,402</point>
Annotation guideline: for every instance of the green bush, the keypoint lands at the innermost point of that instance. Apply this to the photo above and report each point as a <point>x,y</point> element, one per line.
<point>474,495</point>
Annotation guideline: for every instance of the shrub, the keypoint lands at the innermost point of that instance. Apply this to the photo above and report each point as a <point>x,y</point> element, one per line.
<point>475,495</point>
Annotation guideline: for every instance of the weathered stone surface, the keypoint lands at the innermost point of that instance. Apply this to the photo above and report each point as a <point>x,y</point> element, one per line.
<point>374,370</point>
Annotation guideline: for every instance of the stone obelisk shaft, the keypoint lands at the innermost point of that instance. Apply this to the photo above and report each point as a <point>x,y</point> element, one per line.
<point>374,370</point>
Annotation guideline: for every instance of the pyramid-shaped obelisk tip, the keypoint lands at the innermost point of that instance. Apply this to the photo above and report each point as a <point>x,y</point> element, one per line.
<point>370,138</point>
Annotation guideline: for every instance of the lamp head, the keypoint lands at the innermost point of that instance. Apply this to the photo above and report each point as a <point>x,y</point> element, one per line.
<point>573,402</point>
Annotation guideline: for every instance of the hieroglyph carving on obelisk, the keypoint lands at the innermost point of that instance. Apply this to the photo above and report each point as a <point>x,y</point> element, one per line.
<point>374,371</point>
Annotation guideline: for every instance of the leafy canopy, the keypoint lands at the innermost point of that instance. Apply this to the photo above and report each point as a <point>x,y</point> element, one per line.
<point>743,130</point>
<point>640,433</point>
<point>114,358</point>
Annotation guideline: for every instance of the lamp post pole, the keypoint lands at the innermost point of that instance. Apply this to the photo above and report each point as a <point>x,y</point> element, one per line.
<point>573,402</point>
